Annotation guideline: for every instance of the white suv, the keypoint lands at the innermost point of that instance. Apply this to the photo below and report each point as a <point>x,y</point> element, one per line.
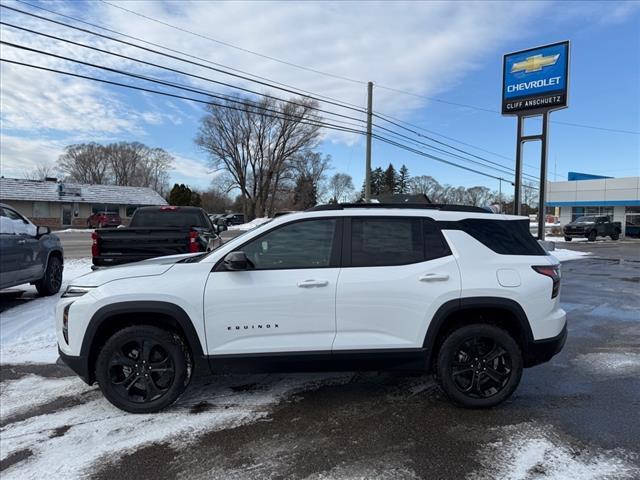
<point>466,294</point>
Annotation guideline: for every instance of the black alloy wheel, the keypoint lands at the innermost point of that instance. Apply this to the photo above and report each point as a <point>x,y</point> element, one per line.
<point>51,281</point>
<point>592,236</point>
<point>143,369</point>
<point>479,365</point>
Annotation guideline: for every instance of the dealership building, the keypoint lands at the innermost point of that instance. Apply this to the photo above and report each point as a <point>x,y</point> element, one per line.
<point>584,194</point>
<point>61,204</point>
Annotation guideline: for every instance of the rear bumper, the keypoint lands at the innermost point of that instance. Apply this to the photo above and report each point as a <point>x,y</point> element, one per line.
<point>78,364</point>
<point>541,351</point>
<point>575,234</point>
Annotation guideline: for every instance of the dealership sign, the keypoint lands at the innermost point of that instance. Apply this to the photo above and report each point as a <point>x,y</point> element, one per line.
<point>536,79</point>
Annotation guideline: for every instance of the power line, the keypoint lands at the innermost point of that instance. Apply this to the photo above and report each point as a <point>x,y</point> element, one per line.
<point>319,124</point>
<point>173,95</point>
<point>361,82</point>
<point>244,75</point>
<point>174,70</point>
<point>230,45</point>
<point>234,86</point>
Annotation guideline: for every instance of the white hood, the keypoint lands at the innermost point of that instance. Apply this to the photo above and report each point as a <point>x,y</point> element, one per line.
<point>145,268</point>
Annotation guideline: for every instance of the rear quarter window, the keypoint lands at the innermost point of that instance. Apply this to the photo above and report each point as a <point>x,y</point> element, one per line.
<point>506,237</point>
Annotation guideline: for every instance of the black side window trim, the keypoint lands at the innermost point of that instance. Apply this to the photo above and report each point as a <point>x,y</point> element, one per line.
<point>346,242</point>
<point>336,246</point>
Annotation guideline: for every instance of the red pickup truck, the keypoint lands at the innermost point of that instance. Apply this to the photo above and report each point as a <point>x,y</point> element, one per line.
<point>104,219</point>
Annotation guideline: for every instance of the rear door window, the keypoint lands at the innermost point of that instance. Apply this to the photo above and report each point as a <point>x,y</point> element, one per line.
<point>383,241</point>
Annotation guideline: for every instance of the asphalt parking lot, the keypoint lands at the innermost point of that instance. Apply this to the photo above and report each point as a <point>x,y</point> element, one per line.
<point>575,417</point>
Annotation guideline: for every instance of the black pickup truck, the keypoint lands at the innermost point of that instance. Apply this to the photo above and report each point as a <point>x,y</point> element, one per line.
<point>155,232</point>
<point>591,228</point>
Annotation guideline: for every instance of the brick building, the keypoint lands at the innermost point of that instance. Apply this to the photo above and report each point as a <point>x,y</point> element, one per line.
<point>62,205</point>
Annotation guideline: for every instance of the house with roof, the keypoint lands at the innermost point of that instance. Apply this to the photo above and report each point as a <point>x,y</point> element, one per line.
<point>61,204</point>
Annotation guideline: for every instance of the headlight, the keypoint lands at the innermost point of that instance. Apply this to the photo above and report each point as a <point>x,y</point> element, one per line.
<point>75,291</point>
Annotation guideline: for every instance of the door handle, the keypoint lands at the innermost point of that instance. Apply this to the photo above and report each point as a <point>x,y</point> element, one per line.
<point>433,277</point>
<point>312,283</point>
<point>21,242</point>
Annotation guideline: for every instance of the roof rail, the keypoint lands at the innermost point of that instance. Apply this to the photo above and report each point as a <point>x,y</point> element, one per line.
<point>422,206</point>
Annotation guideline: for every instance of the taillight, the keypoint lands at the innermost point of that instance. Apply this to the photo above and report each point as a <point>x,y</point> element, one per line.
<point>194,246</point>
<point>95,247</point>
<point>168,207</point>
<point>553,272</point>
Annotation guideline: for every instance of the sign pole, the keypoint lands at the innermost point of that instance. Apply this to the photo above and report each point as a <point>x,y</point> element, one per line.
<point>543,176</point>
<point>517,192</point>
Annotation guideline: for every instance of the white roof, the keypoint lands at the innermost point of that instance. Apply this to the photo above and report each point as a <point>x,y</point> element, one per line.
<point>47,191</point>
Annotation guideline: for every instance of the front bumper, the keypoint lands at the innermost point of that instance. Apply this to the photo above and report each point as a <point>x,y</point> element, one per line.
<point>541,351</point>
<point>79,365</point>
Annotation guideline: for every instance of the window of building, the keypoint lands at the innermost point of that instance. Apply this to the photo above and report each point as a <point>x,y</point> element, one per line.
<point>130,209</point>
<point>102,208</point>
<point>306,244</point>
<point>379,241</point>
<point>591,212</point>
<point>632,221</point>
<point>41,210</point>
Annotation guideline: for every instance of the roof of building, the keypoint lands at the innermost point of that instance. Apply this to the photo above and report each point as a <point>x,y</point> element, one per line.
<point>48,191</point>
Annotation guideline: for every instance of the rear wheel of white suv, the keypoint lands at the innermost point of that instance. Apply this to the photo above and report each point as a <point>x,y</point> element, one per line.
<point>143,369</point>
<point>479,365</point>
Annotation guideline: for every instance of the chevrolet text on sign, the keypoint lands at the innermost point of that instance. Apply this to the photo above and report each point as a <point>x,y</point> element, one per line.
<point>536,79</point>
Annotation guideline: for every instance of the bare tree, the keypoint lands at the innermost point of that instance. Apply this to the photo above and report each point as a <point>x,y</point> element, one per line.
<point>85,163</point>
<point>40,172</point>
<point>479,196</point>
<point>340,187</point>
<point>256,147</point>
<point>122,163</point>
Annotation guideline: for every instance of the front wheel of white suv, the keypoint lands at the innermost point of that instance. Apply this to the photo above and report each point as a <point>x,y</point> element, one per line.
<point>479,365</point>
<point>143,369</point>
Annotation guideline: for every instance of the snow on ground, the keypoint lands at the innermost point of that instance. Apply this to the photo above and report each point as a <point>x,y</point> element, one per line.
<point>562,240</point>
<point>70,443</point>
<point>75,230</point>
<point>19,396</point>
<point>252,224</point>
<point>608,364</point>
<point>527,451</point>
<point>562,254</point>
<point>27,332</point>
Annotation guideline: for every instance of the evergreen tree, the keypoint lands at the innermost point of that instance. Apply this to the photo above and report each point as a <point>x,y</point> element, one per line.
<point>305,193</point>
<point>389,180</point>
<point>402,185</point>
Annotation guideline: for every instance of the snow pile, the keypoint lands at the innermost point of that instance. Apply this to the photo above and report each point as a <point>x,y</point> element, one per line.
<point>526,451</point>
<point>70,443</point>
<point>562,254</point>
<point>610,363</point>
<point>76,230</point>
<point>256,222</point>
<point>28,331</point>
<point>562,240</point>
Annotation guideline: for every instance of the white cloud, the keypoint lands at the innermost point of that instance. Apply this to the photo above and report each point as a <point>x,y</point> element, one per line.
<point>19,155</point>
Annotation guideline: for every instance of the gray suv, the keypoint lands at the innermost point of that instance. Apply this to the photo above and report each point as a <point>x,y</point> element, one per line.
<point>28,254</point>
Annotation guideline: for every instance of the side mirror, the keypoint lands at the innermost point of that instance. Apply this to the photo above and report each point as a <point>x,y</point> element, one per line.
<point>40,231</point>
<point>222,228</point>
<point>236,261</point>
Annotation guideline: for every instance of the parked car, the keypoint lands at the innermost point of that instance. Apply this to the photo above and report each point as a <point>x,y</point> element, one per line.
<point>104,219</point>
<point>155,232</point>
<point>470,296</point>
<point>591,228</point>
<point>234,219</point>
<point>28,254</point>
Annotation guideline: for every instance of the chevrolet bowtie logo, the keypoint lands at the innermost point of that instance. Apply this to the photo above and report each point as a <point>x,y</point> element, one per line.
<point>534,63</point>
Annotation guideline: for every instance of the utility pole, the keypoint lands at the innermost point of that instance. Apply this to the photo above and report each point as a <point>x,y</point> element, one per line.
<point>367,175</point>
<point>500,194</point>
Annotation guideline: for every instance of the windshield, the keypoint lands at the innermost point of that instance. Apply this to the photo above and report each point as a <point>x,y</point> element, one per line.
<point>586,220</point>
<point>235,238</point>
<point>167,218</point>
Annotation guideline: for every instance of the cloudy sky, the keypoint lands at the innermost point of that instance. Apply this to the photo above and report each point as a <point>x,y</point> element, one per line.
<point>447,55</point>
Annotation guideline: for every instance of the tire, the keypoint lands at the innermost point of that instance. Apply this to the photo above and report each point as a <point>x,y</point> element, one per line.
<point>476,387</point>
<point>51,281</point>
<point>615,235</point>
<point>88,224</point>
<point>125,373</point>
<point>592,236</point>
<point>567,239</point>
